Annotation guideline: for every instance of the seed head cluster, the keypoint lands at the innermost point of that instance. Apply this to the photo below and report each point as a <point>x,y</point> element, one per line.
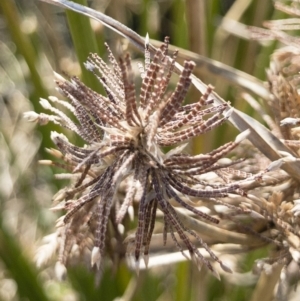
<point>124,163</point>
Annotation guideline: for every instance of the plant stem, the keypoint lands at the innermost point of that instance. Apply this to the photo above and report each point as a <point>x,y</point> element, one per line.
<point>84,42</point>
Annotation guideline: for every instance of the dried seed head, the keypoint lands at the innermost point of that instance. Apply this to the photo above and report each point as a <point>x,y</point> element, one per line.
<point>124,163</point>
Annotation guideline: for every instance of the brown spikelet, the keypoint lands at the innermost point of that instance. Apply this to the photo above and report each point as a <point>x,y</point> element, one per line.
<point>123,164</point>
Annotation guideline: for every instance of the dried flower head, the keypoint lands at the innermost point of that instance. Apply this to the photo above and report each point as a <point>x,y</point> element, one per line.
<point>281,202</point>
<point>123,164</point>
<point>282,206</point>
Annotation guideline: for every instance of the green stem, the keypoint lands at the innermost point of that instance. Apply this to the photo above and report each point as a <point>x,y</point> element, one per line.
<point>84,42</point>
<point>179,35</point>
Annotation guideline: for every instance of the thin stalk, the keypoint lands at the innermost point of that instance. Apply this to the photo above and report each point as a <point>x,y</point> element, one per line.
<point>196,22</point>
<point>179,36</point>
<point>84,43</point>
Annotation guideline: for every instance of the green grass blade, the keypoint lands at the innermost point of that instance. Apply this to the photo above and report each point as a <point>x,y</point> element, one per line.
<point>21,270</point>
<point>84,42</point>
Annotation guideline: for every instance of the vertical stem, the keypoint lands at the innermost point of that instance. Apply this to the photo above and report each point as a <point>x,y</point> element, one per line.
<point>179,37</point>
<point>196,21</point>
<point>84,42</point>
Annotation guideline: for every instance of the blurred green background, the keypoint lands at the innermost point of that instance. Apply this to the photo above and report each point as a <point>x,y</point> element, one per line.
<point>37,38</point>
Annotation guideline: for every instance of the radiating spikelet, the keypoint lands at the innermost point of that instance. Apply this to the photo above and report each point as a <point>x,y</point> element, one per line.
<point>125,134</point>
